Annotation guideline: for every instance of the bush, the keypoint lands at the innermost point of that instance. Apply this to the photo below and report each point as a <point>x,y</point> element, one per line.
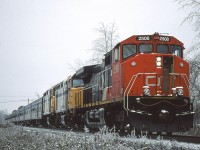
<point>18,138</point>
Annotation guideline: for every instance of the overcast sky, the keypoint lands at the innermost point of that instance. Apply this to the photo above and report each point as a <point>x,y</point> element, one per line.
<point>38,38</point>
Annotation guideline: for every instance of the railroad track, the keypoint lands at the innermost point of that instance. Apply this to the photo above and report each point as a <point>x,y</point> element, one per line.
<point>179,138</point>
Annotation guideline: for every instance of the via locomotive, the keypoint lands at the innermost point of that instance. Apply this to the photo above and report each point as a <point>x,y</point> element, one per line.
<point>142,83</point>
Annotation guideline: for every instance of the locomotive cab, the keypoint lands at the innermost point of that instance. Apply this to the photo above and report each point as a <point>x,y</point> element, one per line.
<point>74,86</point>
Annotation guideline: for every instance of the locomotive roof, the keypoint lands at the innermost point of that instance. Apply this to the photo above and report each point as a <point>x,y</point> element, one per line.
<point>155,36</point>
<point>85,71</point>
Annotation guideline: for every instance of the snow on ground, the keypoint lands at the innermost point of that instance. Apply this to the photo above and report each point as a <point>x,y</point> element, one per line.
<point>18,138</point>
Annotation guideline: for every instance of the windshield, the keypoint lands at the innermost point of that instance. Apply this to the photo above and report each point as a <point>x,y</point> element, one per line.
<point>77,82</point>
<point>129,50</point>
<point>162,49</point>
<point>176,50</point>
<point>145,48</point>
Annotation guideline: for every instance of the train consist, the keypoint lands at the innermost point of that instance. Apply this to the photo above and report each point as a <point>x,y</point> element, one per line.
<point>142,83</point>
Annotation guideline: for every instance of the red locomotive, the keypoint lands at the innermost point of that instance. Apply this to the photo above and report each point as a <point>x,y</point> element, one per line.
<point>143,83</point>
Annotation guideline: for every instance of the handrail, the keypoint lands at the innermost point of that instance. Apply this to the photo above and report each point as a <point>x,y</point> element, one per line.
<point>182,75</point>
<point>132,82</point>
<point>131,87</point>
<point>129,90</point>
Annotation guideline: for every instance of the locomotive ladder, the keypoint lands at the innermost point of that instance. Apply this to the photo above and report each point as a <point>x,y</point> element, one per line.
<point>132,82</point>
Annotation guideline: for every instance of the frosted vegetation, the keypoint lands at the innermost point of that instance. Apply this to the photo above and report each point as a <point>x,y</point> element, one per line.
<point>18,138</point>
<point>2,119</point>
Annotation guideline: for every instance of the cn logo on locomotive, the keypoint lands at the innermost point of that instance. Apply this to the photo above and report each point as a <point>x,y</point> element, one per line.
<point>151,81</point>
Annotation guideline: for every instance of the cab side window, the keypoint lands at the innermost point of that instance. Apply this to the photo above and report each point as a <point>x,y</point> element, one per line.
<point>176,50</point>
<point>116,54</point>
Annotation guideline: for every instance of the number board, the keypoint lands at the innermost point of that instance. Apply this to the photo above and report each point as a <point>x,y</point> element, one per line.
<point>148,38</point>
<point>164,38</point>
<point>143,38</point>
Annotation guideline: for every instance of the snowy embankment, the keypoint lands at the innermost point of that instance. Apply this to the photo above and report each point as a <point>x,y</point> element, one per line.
<point>19,138</point>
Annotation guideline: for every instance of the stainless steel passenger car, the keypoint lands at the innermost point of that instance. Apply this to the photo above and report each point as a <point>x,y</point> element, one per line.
<point>61,97</point>
<point>21,114</point>
<point>36,112</point>
<point>27,113</point>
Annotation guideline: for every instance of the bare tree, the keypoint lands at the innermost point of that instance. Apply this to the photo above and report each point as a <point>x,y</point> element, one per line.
<point>194,77</point>
<point>194,19</point>
<point>107,39</point>
<point>78,63</point>
<point>194,56</point>
<point>195,89</point>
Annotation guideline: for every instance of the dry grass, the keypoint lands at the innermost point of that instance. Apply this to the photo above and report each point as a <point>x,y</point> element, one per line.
<point>19,138</point>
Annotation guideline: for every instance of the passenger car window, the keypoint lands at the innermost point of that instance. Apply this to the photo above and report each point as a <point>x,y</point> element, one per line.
<point>162,49</point>
<point>176,50</point>
<point>128,50</point>
<point>146,48</point>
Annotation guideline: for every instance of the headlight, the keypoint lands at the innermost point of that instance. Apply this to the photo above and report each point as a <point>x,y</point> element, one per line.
<point>158,61</point>
<point>158,64</point>
<point>158,58</point>
<point>146,90</point>
<point>164,115</point>
<point>164,111</point>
